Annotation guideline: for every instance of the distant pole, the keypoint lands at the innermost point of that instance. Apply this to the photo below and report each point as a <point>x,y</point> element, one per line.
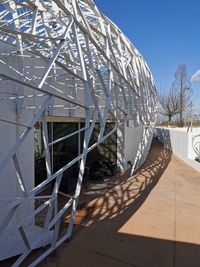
<point>189,124</point>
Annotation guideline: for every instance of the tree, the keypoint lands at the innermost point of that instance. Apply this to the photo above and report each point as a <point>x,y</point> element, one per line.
<point>168,104</point>
<point>182,87</point>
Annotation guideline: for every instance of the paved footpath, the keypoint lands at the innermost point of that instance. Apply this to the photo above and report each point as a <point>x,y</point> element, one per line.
<point>149,219</point>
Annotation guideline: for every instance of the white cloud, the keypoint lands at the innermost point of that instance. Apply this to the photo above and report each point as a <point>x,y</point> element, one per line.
<point>196,76</point>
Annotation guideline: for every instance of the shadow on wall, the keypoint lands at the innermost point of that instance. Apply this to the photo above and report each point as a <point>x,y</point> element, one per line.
<point>163,135</point>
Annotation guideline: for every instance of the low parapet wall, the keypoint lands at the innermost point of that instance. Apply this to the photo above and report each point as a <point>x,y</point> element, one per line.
<point>180,142</point>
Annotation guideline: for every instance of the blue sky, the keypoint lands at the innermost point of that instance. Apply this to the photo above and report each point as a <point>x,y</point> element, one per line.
<point>166,32</point>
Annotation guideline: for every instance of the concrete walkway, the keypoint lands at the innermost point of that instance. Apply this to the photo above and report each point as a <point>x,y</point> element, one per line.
<point>149,219</point>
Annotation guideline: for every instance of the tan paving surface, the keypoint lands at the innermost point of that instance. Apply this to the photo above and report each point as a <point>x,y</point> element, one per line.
<point>150,219</point>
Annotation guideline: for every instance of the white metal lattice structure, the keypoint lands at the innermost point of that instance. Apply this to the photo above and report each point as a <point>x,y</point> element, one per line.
<point>63,57</point>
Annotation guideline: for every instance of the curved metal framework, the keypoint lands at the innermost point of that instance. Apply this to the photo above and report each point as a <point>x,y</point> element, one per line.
<point>65,57</point>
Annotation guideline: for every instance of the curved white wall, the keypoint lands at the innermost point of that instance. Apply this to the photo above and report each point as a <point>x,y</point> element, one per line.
<point>180,142</point>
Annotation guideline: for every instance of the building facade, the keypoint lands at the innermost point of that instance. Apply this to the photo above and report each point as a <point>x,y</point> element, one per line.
<point>74,93</point>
